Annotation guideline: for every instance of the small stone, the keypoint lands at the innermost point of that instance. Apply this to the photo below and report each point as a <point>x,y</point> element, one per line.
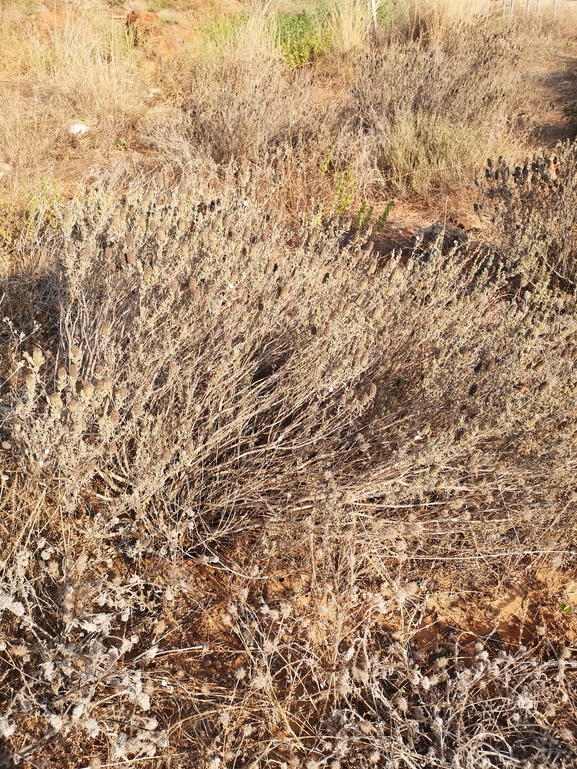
<point>78,129</point>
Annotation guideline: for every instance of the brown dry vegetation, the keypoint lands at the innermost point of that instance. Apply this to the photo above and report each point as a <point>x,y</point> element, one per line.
<point>271,494</point>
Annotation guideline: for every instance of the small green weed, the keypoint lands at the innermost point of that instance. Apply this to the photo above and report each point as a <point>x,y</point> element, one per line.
<point>346,186</point>
<point>365,216</point>
<point>328,160</point>
<point>43,207</point>
<point>301,37</point>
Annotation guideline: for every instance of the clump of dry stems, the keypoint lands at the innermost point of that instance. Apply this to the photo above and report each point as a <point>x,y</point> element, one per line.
<point>236,459</point>
<point>523,199</point>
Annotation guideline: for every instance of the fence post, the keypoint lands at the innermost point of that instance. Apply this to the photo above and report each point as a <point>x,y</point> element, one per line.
<point>374,15</point>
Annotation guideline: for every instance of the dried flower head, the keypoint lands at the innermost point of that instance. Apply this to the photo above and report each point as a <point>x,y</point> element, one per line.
<point>55,401</point>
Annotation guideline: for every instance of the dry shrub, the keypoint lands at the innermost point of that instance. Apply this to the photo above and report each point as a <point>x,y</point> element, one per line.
<point>277,123</point>
<point>212,400</point>
<point>523,201</point>
<point>472,76</point>
<point>241,449</point>
<point>244,109</point>
<point>392,117</point>
<point>433,110</point>
<point>416,117</point>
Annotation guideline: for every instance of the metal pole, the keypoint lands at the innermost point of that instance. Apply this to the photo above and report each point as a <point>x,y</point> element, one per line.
<point>503,9</point>
<point>555,8</point>
<point>527,7</point>
<point>374,15</point>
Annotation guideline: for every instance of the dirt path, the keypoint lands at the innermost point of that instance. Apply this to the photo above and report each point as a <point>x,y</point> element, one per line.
<point>557,73</point>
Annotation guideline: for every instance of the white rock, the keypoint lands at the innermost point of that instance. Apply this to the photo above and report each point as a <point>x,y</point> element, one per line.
<point>78,129</point>
<point>4,169</point>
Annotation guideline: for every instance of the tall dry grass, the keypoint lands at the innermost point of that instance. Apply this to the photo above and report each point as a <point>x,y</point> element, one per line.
<point>350,23</point>
<point>403,118</point>
<point>432,19</point>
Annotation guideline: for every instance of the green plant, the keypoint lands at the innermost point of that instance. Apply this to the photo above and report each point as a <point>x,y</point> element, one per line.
<point>301,37</point>
<point>365,214</point>
<point>364,217</point>
<point>346,186</point>
<point>325,165</point>
<point>381,221</point>
<point>43,207</point>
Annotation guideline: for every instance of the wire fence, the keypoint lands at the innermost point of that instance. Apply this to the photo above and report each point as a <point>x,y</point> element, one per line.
<point>530,6</point>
